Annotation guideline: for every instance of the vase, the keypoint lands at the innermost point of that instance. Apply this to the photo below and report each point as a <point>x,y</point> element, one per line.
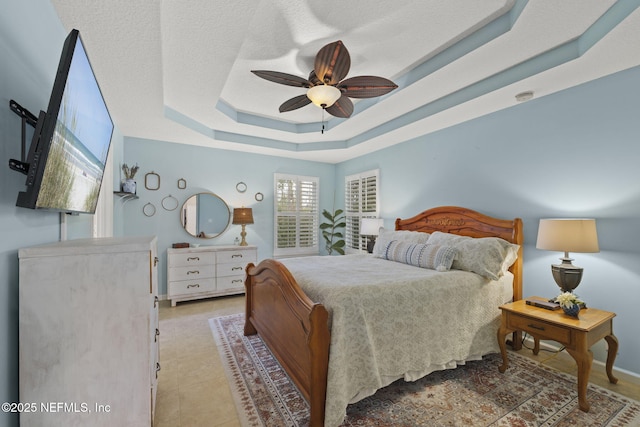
<point>129,186</point>
<point>572,311</point>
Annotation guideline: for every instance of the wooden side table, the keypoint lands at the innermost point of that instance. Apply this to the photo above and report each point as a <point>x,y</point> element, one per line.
<point>577,335</point>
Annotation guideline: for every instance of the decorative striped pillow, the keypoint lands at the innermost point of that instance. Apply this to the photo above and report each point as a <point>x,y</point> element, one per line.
<point>422,255</point>
<point>385,237</point>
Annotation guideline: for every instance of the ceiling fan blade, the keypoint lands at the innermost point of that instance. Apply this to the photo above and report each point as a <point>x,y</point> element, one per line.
<point>332,63</point>
<point>343,107</point>
<point>295,103</point>
<point>282,78</point>
<point>366,86</point>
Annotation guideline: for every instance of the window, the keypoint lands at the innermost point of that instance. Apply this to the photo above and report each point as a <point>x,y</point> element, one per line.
<point>360,201</point>
<point>296,215</point>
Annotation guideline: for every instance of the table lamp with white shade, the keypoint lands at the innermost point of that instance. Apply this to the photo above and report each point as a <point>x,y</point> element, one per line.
<point>567,235</point>
<point>369,227</point>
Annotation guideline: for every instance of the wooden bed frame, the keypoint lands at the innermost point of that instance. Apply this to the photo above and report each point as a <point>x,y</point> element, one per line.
<point>296,329</point>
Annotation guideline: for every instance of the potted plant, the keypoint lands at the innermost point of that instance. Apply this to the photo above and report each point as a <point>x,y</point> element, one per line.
<point>129,185</point>
<point>330,231</point>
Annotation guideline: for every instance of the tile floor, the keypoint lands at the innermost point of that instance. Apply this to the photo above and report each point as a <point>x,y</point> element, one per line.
<point>193,390</point>
<point>192,387</point>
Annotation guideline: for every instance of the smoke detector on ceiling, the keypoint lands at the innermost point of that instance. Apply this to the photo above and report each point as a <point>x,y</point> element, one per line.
<point>524,96</point>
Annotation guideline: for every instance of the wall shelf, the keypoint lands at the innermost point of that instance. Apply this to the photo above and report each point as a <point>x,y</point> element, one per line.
<point>125,196</point>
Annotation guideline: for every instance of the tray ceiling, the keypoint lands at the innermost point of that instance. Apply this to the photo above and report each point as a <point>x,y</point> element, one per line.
<point>180,71</point>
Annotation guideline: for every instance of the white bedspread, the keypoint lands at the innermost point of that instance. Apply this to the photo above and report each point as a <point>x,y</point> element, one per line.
<point>391,320</point>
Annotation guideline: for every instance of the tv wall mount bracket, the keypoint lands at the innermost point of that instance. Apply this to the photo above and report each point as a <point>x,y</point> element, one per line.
<point>27,119</point>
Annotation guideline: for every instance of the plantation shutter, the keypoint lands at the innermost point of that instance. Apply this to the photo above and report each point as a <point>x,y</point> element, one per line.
<point>296,215</point>
<point>361,201</point>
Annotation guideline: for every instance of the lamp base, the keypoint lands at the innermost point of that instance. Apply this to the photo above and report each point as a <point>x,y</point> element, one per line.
<point>566,275</point>
<point>370,244</point>
<point>243,234</point>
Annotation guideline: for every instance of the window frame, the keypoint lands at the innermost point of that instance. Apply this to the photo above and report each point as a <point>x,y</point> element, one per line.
<point>354,216</point>
<point>299,215</point>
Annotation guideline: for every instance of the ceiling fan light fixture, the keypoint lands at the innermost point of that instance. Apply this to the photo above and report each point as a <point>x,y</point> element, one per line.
<point>326,86</point>
<point>324,96</point>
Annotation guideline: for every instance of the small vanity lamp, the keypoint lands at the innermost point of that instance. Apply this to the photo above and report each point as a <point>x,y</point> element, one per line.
<point>567,235</point>
<point>369,228</point>
<point>243,216</point>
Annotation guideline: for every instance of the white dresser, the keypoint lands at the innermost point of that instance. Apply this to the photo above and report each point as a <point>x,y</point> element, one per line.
<point>207,271</point>
<point>89,332</point>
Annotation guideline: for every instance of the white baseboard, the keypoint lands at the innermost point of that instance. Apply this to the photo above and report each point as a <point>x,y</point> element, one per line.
<point>622,374</point>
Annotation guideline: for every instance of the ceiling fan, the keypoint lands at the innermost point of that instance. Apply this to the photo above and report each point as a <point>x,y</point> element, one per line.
<point>326,89</point>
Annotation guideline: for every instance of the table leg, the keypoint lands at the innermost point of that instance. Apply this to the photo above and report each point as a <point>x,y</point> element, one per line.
<point>536,346</point>
<point>502,333</point>
<point>584,360</point>
<point>612,341</point>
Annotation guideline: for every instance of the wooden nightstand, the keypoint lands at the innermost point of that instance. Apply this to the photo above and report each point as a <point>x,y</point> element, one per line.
<point>577,335</point>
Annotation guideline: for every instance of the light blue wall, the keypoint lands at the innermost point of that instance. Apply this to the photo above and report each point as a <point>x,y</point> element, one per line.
<point>571,154</point>
<point>210,170</point>
<point>31,38</point>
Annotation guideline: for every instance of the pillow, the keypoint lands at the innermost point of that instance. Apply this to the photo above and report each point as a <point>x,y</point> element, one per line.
<point>386,236</point>
<point>421,255</point>
<point>489,257</point>
<point>510,258</point>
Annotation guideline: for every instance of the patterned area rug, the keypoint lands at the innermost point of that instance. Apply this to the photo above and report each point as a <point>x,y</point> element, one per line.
<point>475,394</point>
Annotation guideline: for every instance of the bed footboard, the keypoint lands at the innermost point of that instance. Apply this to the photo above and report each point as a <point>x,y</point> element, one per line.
<point>293,327</point>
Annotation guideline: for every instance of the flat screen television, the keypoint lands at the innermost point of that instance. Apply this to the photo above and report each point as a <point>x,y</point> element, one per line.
<point>69,148</point>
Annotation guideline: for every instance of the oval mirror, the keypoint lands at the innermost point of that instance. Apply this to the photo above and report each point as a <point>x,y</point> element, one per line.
<point>205,215</point>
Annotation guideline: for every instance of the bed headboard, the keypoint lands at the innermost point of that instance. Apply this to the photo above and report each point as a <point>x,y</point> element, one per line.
<point>467,222</point>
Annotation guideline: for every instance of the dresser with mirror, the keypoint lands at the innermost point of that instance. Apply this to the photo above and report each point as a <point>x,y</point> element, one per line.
<point>211,270</point>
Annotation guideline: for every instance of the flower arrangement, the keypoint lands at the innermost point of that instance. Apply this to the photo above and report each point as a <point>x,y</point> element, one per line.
<point>568,300</point>
<point>129,172</point>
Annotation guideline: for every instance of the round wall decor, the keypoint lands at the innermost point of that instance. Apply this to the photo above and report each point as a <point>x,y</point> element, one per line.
<point>149,209</point>
<point>169,203</point>
<point>241,187</point>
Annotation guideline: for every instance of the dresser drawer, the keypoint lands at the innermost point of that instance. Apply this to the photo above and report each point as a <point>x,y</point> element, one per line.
<point>231,269</point>
<point>539,328</point>
<point>191,258</point>
<point>231,282</point>
<point>186,287</point>
<point>194,272</point>
<point>240,256</point>
<point>155,362</point>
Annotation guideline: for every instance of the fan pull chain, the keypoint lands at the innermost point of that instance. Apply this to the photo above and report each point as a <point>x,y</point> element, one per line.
<point>322,131</point>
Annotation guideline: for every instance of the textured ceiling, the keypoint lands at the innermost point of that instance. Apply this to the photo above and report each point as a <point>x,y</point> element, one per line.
<point>179,71</point>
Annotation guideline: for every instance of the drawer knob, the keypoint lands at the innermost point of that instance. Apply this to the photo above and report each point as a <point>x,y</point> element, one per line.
<point>155,301</point>
<point>193,258</point>
<point>193,286</point>
<point>236,268</point>
<point>236,281</point>
<point>236,256</point>
<point>157,335</point>
<point>193,272</point>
